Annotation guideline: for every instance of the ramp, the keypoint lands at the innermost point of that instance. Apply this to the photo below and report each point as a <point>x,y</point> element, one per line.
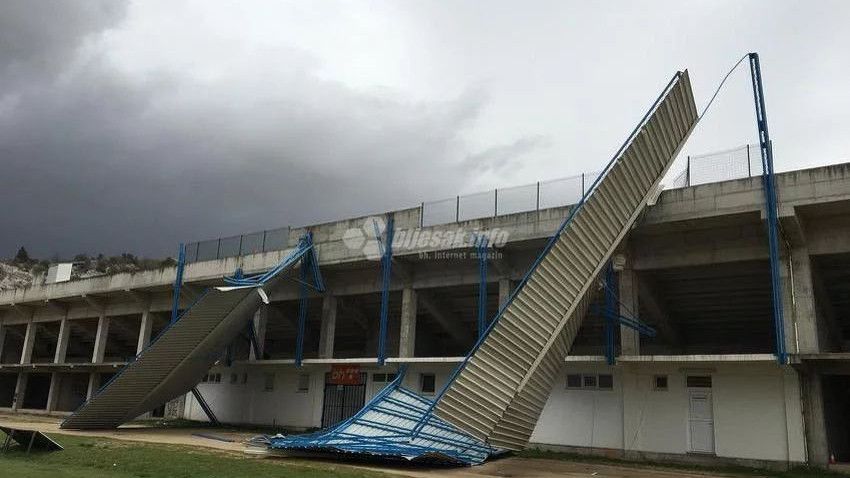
<point>384,429</point>
<point>182,353</point>
<point>498,392</point>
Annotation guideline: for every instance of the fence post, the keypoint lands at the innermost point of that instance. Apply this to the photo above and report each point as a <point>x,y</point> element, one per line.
<point>263,247</point>
<point>495,202</point>
<point>688,173</point>
<point>582,185</point>
<point>218,249</point>
<point>749,167</point>
<point>241,241</point>
<point>537,206</point>
<point>422,214</point>
<point>457,209</point>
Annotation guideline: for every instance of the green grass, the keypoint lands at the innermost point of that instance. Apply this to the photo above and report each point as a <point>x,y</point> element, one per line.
<point>736,471</point>
<point>86,457</point>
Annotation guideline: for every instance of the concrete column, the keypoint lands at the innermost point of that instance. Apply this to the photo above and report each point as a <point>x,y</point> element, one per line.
<point>62,341</point>
<point>261,318</point>
<point>813,415</point>
<point>407,338</point>
<point>29,341</point>
<point>799,311</point>
<point>2,338</point>
<point>326,335</point>
<point>145,331</point>
<point>100,339</point>
<point>94,379</point>
<point>505,289</point>
<point>629,303</point>
<point>20,389</point>
<point>53,392</point>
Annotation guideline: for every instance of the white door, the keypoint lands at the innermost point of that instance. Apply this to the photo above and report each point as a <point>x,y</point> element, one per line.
<point>700,422</point>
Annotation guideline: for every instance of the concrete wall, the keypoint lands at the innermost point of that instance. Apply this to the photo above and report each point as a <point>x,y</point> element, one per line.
<point>757,411</point>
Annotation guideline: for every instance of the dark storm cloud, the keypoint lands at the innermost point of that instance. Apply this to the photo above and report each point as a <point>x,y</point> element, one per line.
<point>96,160</point>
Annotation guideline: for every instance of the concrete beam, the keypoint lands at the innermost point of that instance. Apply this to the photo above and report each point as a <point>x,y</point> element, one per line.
<point>100,339</point>
<point>629,307</point>
<point>328,327</point>
<point>53,392</point>
<point>25,312</point>
<point>407,337</point>
<point>20,390</point>
<point>29,342</point>
<point>141,297</point>
<point>57,306</point>
<point>62,340</point>
<point>505,289</point>
<point>261,319</point>
<point>145,328</point>
<point>94,378</point>
<point>799,302</point>
<point>813,414</point>
<point>446,321</point>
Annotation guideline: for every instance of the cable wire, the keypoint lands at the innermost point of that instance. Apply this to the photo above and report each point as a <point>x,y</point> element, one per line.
<point>721,86</point>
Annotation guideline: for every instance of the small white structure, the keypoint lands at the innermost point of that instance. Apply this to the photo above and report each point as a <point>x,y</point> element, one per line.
<point>59,272</point>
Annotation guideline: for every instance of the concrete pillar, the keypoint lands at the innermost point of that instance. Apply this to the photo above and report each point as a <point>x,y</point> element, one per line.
<point>813,415</point>
<point>53,392</point>
<point>20,389</point>
<point>261,318</point>
<point>62,341</point>
<point>326,335</point>
<point>505,289</point>
<point>629,303</point>
<point>407,337</point>
<point>94,384</point>
<point>799,311</point>
<point>2,338</point>
<point>100,339</point>
<point>29,341</point>
<point>145,331</point>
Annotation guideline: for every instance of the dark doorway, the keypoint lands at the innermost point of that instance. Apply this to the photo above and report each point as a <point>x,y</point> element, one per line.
<point>342,401</point>
<point>7,389</point>
<point>35,396</point>
<point>836,403</point>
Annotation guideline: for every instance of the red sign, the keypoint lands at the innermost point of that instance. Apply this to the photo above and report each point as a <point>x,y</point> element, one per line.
<point>343,374</point>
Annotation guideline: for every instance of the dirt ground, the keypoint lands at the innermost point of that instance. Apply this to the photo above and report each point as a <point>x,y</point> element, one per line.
<point>515,467</point>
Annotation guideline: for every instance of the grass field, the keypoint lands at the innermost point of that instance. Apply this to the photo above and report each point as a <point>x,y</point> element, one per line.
<point>85,457</point>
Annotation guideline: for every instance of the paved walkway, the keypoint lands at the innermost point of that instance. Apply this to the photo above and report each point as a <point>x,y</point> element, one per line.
<point>506,467</point>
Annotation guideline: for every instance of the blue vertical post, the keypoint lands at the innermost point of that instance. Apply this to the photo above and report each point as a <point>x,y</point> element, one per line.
<point>769,184</point>
<point>481,246</point>
<point>302,310</point>
<point>386,270</point>
<point>611,314</point>
<point>178,282</point>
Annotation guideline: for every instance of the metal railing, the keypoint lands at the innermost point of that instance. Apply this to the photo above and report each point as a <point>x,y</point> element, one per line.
<point>735,163</point>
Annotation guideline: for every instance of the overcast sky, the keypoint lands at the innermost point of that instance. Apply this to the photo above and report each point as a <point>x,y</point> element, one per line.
<point>130,126</point>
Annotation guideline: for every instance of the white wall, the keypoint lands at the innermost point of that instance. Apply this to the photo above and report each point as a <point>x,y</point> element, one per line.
<point>757,413</point>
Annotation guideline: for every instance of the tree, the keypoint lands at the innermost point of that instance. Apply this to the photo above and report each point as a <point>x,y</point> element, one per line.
<point>22,256</point>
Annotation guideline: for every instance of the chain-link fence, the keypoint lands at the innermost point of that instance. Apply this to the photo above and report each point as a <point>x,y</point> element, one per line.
<point>251,243</point>
<point>735,163</point>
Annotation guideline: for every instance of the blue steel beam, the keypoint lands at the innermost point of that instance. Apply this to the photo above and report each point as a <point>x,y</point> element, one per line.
<point>769,184</point>
<point>482,244</point>
<point>178,282</point>
<point>386,272</point>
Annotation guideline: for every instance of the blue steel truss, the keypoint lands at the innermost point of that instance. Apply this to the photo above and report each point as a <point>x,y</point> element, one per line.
<point>481,246</point>
<point>386,249</point>
<point>769,182</point>
<point>613,317</point>
<point>384,429</point>
<point>178,282</point>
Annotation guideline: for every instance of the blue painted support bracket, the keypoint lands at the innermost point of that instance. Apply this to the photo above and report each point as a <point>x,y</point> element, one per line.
<point>309,269</point>
<point>481,245</point>
<point>178,282</point>
<point>205,406</point>
<point>386,249</point>
<point>769,184</point>
<point>611,314</point>
<point>302,310</point>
